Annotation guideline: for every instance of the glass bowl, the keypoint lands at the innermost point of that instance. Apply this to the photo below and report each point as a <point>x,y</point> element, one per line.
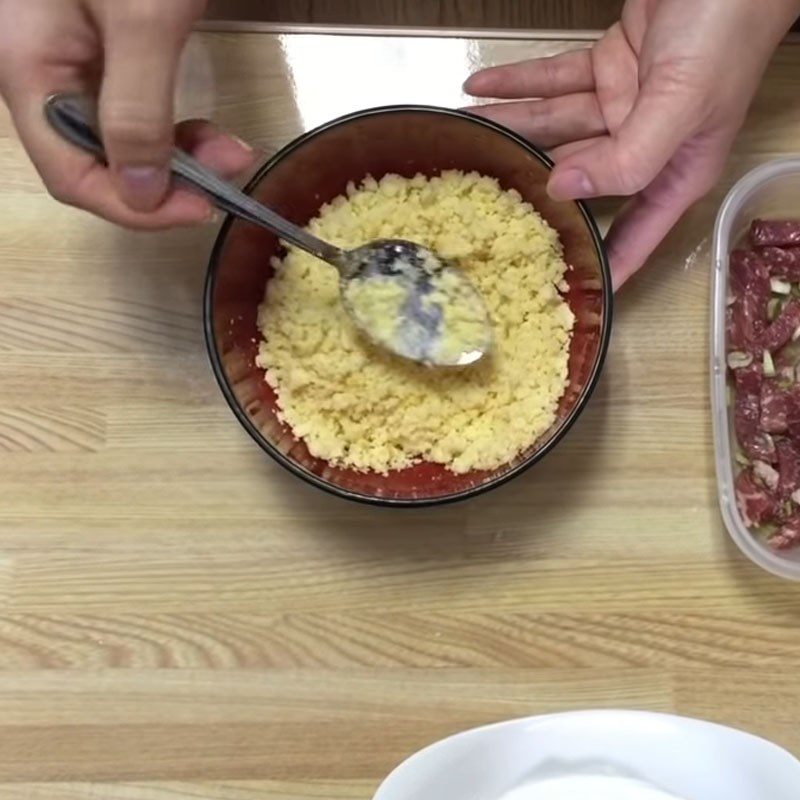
<point>314,169</point>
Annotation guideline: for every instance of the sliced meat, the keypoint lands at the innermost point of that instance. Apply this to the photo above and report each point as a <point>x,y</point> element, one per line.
<point>786,360</point>
<point>755,503</point>
<point>773,407</point>
<point>793,415</point>
<point>747,271</point>
<point>782,262</point>
<point>749,380</point>
<point>780,332</point>
<point>788,536</point>
<point>749,283</point>
<point>735,327</point>
<point>774,233</point>
<point>756,444</point>
<point>767,475</point>
<point>788,468</point>
<point>738,267</point>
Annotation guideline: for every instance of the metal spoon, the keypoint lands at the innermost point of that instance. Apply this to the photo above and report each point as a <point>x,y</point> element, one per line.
<point>422,286</point>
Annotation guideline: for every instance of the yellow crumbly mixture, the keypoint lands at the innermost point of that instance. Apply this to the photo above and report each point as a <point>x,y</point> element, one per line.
<point>355,405</point>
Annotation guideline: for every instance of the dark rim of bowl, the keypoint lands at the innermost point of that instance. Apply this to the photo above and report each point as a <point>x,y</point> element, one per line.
<point>332,488</point>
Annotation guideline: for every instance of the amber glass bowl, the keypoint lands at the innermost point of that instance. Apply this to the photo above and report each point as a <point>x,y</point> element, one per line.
<point>314,169</point>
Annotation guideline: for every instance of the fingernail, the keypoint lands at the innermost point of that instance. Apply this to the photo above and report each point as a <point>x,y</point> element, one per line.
<point>213,217</point>
<point>471,84</point>
<point>144,187</point>
<point>571,184</point>
<point>243,144</point>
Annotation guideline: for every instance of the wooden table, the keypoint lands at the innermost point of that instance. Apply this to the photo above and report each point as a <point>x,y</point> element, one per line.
<point>181,618</point>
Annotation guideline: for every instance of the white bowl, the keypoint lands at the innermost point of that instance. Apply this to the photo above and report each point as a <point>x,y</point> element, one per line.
<point>684,758</point>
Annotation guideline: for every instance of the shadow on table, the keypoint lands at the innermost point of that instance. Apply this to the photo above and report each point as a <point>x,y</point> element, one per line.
<point>772,597</point>
<point>508,517</point>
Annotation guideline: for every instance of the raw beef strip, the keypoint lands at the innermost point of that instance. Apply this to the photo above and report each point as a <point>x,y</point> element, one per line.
<point>749,380</point>
<point>788,468</point>
<point>774,233</point>
<point>755,503</point>
<point>789,534</point>
<point>785,360</point>
<point>773,407</point>
<point>749,283</point>
<point>782,262</point>
<point>767,475</point>
<point>778,333</point>
<point>793,415</point>
<point>735,333</point>
<point>747,415</point>
<point>748,271</point>
<point>738,263</point>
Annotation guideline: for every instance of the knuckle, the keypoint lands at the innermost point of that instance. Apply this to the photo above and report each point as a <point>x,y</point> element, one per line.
<point>138,132</point>
<point>147,12</point>
<point>551,70</point>
<point>540,120</point>
<point>632,174</point>
<point>165,18</point>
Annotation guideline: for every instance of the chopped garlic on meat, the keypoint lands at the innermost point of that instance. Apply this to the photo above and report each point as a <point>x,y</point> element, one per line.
<point>766,474</point>
<point>780,287</point>
<point>737,359</point>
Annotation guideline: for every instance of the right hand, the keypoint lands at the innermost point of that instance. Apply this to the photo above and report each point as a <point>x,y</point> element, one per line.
<point>650,111</point>
<point>127,53</point>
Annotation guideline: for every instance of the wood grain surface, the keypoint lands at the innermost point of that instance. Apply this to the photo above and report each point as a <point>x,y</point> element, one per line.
<point>179,618</point>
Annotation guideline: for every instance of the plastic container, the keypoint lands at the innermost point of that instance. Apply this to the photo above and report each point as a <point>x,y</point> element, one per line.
<point>769,191</point>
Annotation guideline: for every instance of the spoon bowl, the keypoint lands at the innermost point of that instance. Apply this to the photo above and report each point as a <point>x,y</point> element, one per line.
<point>411,302</point>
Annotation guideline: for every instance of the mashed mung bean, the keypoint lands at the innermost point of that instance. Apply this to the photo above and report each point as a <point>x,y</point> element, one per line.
<point>358,406</point>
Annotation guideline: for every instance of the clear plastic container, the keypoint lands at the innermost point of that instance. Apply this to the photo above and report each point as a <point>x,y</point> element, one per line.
<point>769,191</point>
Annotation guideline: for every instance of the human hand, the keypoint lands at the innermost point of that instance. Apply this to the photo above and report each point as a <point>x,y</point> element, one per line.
<point>127,52</point>
<point>650,111</point>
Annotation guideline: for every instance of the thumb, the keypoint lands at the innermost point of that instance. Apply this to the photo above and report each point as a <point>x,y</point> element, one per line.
<point>142,50</point>
<point>628,161</point>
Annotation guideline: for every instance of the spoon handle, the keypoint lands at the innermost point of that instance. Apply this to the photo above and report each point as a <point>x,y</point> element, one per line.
<point>75,118</point>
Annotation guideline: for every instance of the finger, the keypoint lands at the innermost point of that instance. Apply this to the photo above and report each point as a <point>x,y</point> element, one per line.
<point>636,232</point>
<point>226,155</point>
<point>553,76</point>
<point>650,216</point>
<point>76,178</point>
<point>97,193</point>
<point>558,154</point>
<point>552,122</point>
<point>143,42</point>
<point>628,161</point>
